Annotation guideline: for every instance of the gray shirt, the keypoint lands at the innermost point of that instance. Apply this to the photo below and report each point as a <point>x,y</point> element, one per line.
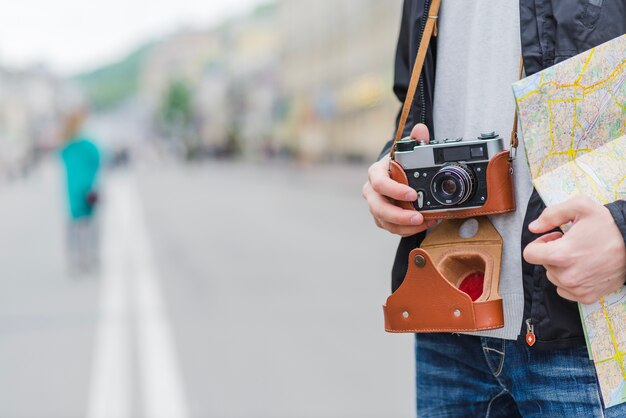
<point>478,52</point>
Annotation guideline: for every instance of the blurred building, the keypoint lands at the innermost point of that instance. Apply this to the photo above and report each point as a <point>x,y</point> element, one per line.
<point>183,57</point>
<point>32,103</point>
<point>252,46</point>
<point>178,66</point>
<point>214,113</point>
<point>313,77</point>
<point>336,76</point>
<point>231,72</point>
<point>309,77</point>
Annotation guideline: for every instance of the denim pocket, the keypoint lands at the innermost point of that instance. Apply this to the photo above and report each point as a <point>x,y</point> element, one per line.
<point>591,13</point>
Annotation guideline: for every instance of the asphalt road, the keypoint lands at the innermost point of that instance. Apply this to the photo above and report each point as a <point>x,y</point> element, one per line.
<point>226,290</point>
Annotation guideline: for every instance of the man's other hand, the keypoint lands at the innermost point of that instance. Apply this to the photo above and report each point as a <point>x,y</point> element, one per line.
<point>589,260</point>
<point>380,190</point>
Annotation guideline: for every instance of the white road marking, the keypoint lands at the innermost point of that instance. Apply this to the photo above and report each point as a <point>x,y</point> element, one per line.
<point>160,380</point>
<point>111,374</point>
<point>127,245</point>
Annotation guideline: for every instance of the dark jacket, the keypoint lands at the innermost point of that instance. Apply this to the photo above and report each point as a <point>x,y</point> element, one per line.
<point>551,31</point>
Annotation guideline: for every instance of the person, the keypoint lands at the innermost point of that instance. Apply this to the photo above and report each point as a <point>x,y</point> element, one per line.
<point>81,160</point>
<point>464,89</point>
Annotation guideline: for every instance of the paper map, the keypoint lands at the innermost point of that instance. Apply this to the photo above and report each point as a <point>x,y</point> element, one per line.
<point>573,120</point>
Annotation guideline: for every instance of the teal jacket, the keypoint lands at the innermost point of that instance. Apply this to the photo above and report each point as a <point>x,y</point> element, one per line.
<point>81,159</point>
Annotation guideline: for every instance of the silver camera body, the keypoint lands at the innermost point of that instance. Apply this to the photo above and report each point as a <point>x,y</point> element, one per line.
<point>448,174</point>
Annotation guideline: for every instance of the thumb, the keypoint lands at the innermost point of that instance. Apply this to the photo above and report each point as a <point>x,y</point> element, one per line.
<point>540,250</point>
<point>420,132</point>
<point>557,215</point>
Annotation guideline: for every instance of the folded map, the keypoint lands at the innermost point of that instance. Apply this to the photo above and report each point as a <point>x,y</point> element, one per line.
<point>573,123</point>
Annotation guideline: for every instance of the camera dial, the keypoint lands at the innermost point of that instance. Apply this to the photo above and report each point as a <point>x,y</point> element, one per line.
<point>453,184</point>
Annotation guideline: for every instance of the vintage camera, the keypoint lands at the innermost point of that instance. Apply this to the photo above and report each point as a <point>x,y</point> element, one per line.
<point>448,174</point>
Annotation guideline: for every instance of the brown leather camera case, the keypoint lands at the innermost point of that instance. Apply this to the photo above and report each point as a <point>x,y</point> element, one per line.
<point>428,300</point>
<point>500,195</point>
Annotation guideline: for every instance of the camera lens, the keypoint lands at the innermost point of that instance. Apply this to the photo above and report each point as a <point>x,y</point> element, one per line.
<point>452,185</point>
<point>449,187</point>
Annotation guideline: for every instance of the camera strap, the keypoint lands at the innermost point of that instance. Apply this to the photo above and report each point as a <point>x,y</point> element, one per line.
<point>514,139</point>
<point>430,30</point>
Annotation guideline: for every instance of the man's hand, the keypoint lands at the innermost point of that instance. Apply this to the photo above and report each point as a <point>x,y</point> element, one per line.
<point>589,260</point>
<point>380,188</point>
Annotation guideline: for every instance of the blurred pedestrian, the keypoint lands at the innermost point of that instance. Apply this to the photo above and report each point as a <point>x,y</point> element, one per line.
<point>81,159</point>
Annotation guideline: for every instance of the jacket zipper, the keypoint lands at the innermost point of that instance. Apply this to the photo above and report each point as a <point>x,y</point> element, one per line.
<point>530,333</point>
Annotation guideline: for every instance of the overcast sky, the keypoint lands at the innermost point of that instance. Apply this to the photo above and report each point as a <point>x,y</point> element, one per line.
<point>76,35</point>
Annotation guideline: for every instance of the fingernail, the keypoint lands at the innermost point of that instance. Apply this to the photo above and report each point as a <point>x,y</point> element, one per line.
<point>533,224</point>
<point>416,219</point>
<point>411,196</point>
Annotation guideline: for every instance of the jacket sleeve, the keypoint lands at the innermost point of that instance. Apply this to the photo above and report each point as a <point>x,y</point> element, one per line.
<point>618,211</point>
<point>402,72</point>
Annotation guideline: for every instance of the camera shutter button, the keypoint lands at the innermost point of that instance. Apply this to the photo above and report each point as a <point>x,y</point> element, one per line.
<point>488,135</point>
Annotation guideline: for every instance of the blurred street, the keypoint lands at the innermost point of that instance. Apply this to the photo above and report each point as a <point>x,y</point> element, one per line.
<point>223,146</point>
<point>227,289</point>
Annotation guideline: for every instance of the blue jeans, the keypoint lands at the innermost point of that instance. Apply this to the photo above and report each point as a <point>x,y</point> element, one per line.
<point>465,376</point>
